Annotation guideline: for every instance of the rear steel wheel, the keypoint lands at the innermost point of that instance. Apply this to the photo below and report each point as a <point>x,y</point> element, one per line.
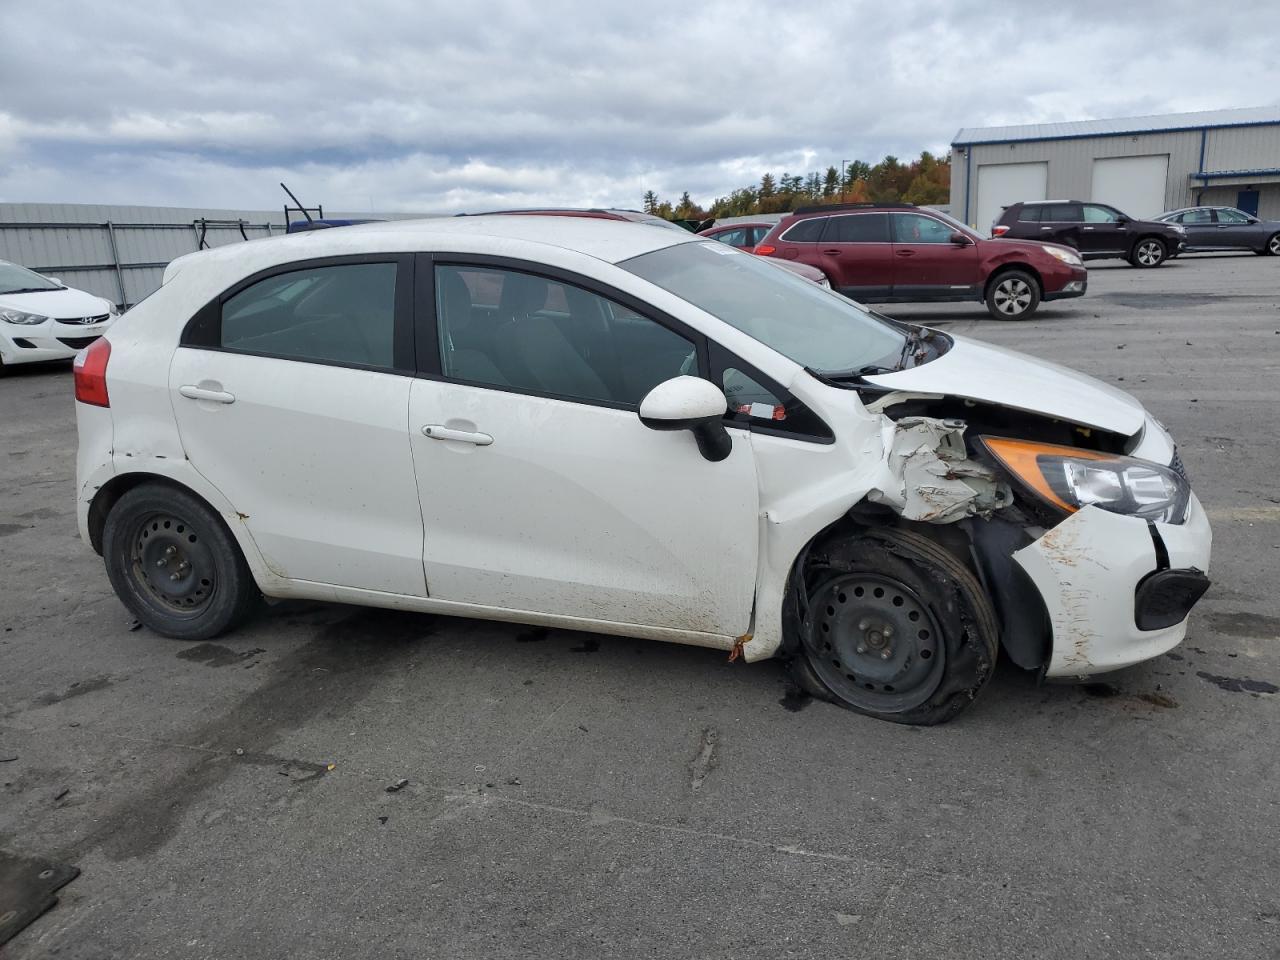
<point>174,564</point>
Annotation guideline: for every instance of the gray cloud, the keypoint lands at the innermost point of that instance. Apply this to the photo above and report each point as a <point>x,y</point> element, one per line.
<point>444,107</point>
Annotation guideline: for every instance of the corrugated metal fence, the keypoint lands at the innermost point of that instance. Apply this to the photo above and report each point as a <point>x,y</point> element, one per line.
<point>120,252</point>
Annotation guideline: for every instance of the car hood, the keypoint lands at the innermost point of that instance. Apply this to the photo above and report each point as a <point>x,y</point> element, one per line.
<point>66,302</point>
<point>973,370</point>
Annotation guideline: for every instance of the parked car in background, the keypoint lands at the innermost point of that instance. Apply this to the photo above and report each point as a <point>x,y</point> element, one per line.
<point>1226,228</point>
<point>584,425</point>
<point>41,319</point>
<point>1096,230</point>
<point>745,236</point>
<point>896,253</point>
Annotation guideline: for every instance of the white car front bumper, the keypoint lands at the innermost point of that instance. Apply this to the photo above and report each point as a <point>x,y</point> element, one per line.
<point>51,340</point>
<point>1087,570</point>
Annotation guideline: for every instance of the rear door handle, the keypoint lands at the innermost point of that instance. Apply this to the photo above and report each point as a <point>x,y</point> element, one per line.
<point>192,392</point>
<point>905,253</point>
<point>1086,228</point>
<point>831,253</point>
<point>1045,229</point>
<point>438,431</point>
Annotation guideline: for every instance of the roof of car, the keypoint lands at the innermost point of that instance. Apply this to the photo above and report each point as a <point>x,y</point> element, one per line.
<point>605,239</point>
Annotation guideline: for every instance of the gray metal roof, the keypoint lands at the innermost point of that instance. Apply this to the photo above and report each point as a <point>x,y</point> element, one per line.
<point>1244,116</point>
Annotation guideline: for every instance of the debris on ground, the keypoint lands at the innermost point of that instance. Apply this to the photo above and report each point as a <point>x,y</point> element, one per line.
<point>398,785</point>
<point>61,793</point>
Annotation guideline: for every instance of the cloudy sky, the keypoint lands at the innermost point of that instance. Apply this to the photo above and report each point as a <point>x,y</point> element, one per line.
<point>441,107</point>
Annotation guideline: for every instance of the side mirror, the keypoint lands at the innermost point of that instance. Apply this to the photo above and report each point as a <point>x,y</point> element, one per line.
<point>1122,219</point>
<point>960,240</point>
<point>693,404</point>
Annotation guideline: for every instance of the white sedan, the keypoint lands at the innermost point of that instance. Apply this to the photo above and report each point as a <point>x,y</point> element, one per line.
<point>40,319</point>
<point>610,427</point>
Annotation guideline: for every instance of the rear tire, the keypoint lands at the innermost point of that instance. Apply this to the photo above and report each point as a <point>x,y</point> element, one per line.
<point>1013,295</point>
<point>897,628</point>
<point>174,564</point>
<point>1272,249</point>
<point>1148,252</point>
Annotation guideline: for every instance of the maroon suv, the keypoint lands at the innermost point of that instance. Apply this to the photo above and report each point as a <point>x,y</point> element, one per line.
<point>897,253</point>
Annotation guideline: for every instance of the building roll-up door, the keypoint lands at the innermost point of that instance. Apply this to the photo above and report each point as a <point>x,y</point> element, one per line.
<point>1000,184</point>
<point>1134,185</point>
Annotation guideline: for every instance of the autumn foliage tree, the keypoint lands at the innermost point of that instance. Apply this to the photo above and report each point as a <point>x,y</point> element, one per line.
<point>925,180</point>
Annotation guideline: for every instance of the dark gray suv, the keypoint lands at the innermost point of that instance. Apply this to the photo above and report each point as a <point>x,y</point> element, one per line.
<point>1226,228</point>
<point>1098,231</point>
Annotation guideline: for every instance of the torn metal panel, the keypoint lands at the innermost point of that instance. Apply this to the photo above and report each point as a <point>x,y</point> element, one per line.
<point>929,476</point>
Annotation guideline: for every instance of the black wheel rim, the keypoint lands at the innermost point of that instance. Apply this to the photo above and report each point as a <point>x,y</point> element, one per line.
<point>172,565</point>
<point>875,643</point>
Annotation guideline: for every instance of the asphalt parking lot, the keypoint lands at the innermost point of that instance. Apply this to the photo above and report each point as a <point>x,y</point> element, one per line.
<point>571,795</point>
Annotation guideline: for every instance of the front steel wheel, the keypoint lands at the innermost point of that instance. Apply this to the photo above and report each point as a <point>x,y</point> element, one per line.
<point>897,628</point>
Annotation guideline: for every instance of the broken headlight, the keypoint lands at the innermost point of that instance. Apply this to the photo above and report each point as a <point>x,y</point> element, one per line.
<point>1070,478</point>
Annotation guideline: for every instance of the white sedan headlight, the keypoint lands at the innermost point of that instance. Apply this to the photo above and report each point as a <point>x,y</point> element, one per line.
<point>21,317</point>
<point>1070,478</point>
<point>1066,256</point>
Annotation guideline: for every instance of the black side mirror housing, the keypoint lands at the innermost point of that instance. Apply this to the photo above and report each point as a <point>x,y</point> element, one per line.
<point>960,239</point>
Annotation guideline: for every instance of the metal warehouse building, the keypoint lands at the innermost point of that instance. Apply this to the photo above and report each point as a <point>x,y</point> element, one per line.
<point>1142,165</point>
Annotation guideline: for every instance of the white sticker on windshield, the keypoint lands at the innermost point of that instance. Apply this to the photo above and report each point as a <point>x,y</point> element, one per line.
<point>719,247</point>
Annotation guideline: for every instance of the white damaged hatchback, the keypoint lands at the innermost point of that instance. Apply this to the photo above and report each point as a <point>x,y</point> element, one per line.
<point>604,426</point>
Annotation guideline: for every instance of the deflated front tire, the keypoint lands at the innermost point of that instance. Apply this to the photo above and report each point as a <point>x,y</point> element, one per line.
<point>895,627</point>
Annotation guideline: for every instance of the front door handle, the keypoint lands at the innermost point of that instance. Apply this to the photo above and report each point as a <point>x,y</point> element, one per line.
<point>1086,228</point>
<point>438,431</point>
<point>192,392</point>
<point>905,253</point>
<point>831,253</point>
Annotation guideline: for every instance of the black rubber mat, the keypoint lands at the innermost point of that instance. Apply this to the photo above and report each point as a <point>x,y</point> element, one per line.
<point>27,888</point>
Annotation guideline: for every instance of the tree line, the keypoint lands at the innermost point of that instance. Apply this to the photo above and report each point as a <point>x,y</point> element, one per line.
<point>926,180</point>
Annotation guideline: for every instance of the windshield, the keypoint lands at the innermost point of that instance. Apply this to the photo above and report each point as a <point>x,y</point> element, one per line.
<point>16,279</point>
<point>805,323</point>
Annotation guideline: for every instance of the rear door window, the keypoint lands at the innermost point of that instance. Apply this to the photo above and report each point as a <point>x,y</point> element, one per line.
<point>1029,215</point>
<point>1228,216</point>
<point>858,228</point>
<point>342,314</point>
<point>806,231</point>
<point>1062,213</point>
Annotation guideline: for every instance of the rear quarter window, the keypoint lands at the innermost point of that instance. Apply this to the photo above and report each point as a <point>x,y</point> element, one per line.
<point>806,231</point>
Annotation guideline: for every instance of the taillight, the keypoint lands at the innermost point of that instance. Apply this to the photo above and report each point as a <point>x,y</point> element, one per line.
<point>765,249</point>
<point>91,373</point>
<point>999,230</point>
